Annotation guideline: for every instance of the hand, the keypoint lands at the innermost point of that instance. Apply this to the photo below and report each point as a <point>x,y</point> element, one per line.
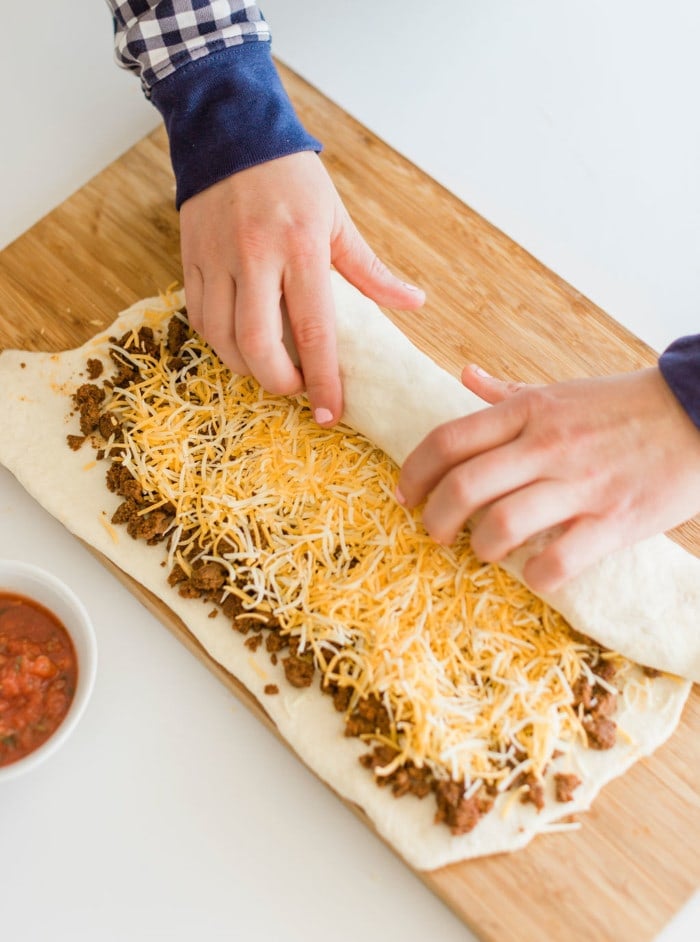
<point>272,232</point>
<point>613,460</point>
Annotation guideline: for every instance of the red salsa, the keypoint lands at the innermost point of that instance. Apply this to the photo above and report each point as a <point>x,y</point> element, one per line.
<point>38,674</point>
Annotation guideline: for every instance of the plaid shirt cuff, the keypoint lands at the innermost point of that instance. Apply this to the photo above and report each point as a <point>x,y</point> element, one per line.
<point>225,112</point>
<point>680,367</point>
<point>155,37</point>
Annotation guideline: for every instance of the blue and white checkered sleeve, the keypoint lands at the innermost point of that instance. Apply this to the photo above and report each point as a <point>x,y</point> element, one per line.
<point>156,37</point>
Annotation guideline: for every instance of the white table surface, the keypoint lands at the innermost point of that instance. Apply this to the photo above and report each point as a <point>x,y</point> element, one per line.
<point>171,813</point>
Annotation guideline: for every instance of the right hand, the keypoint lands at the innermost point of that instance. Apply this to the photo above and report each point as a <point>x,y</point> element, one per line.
<point>609,460</point>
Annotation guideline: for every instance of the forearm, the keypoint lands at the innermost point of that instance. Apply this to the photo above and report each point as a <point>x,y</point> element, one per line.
<point>210,73</point>
<point>680,367</point>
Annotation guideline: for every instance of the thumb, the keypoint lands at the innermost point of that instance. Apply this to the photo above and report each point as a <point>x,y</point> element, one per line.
<point>488,387</point>
<point>356,261</point>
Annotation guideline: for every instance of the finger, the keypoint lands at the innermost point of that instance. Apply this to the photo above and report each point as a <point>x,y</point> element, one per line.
<point>513,519</point>
<point>471,485</point>
<point>453,443</point>
<point>356,261</point>
<point>488,387</point>
<point>259,334</point>
<point>218,321</point>
<point>194,294</point>
<point>583,543</point>
<point>309,301</point>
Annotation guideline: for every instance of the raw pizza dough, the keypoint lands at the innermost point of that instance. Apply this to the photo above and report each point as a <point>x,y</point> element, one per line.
<point>394,403</point>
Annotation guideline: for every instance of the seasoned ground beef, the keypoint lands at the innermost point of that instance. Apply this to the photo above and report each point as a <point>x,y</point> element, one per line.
<point>75,441</point>
<point>583,692</point>
<point>534,793</point>
<point>276,641</point>
<point>126,373</point>
<point>604,668</point>
<point>125,511</point>
<point>177,575</point>
<point>146,526</point>
<point>112,477</point>
<point>604,703</point>
<point>342,698</point>
<point>299,671</point>
<point>88,399</point>
<point>600,731</point>
<point>178,333</point>
<point>410,780</point>
<point>121,481</point>
<point>150,526</point>
<point>407,779</point>
<point>231,606</point>
<point>208,577</point>
<point>175,364</point>
<point>379,757</point>
<point>141,341</point>
<point>108,425</point>
<point>271,689</point>
<point>565,785</point>
<point>94,368</point>
<point>368,718</point>
<point>460,814</point>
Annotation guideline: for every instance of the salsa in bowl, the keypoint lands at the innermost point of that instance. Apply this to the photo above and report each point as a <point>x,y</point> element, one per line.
<point>48,659</point>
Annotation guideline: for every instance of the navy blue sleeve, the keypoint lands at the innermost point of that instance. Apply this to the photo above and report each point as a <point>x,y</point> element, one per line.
<point>225,112</point>
<point>680,367</point>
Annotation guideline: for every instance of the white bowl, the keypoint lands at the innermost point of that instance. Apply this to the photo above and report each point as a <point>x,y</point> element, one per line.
<point>47,590</point>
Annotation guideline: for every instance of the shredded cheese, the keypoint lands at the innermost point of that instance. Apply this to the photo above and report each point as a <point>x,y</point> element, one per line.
<point>109,528</point>
<point>476,673</point>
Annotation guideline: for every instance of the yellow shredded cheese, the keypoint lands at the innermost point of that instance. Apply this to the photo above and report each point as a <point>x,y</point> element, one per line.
<point>475,671</point>
<point>109,528</point>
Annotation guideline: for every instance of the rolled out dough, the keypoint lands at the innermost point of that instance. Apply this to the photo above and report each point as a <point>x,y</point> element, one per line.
<point>394,397</point>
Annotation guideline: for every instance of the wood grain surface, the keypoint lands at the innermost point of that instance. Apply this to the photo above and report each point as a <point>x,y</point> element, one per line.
<point>635,861</point>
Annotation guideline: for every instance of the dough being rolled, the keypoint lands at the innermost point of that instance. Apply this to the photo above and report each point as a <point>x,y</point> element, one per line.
<point>643,601</point>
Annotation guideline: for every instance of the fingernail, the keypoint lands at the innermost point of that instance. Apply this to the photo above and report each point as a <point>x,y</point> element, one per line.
<point>480,371</point>
<point>408,287</point>
<point>323,416</point>
<point>400,498</point>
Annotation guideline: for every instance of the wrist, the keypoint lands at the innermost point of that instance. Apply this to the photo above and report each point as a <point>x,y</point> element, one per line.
<point>680,367</point>
<point>225,112</point>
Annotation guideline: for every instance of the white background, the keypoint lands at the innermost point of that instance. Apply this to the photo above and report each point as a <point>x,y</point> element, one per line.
<point>171,813</point>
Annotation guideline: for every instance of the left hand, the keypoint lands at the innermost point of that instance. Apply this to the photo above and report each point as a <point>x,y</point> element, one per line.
<point>264,233</point>
<point>612,460</point>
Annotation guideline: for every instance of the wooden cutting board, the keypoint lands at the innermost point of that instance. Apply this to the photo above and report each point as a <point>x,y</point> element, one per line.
<point>635,861</point>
